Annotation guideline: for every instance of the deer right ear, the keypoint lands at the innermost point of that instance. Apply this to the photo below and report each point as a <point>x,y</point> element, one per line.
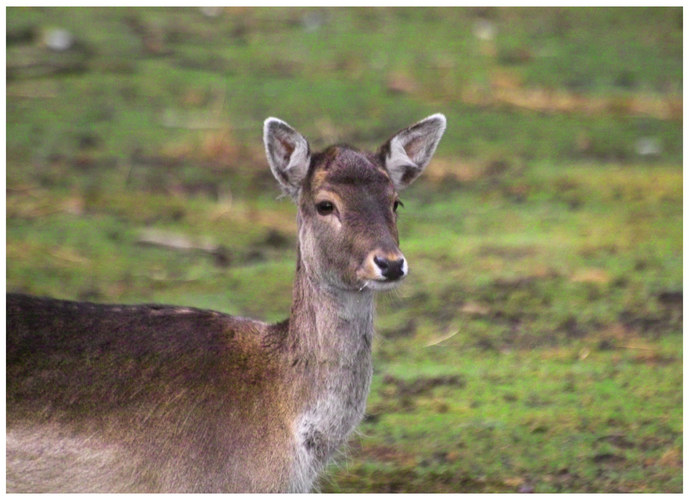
<point>288,154</point>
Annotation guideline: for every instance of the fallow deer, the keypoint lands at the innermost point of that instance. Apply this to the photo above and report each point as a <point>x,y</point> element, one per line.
<point>149,398</point>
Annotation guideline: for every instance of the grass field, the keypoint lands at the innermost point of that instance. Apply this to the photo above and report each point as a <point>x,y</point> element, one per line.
<point>537,343</point>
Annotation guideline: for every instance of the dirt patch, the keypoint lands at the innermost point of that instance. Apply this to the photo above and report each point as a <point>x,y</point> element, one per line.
<point>389,454</point>
<point>501,94</point>
<point>406,330</point>
<point>653,325</point>
<point>654,358</point>
<point>451,174</point>
<point>572,328</point>
<point>508,253</point>
<point>671,298</point>
<point>608,459</point>
<point>591,275</point>
<point>456,172</point>
<point>618,440</point>
<point>409,479</point>
<point>422,385</point>
<point>502,287</point>
<point>278,239</point>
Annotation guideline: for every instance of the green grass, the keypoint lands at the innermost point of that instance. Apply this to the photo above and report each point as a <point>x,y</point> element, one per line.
<point>537,343</point>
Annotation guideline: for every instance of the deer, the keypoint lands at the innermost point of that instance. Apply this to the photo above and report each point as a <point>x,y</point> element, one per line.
<point>156,398</point>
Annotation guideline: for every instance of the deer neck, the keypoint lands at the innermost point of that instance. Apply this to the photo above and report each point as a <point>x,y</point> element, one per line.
<point>330,333</point>
<point>330,326</point>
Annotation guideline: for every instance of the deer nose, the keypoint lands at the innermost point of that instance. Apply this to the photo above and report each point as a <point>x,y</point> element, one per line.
<point>391,269</point>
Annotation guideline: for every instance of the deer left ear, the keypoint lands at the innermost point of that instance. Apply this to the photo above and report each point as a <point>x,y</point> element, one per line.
<point>407,153</point>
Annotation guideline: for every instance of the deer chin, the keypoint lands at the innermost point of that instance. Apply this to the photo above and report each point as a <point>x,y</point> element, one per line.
<point>380,285</point>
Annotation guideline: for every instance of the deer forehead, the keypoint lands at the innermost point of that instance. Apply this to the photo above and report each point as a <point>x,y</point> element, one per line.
<point>350,173</point>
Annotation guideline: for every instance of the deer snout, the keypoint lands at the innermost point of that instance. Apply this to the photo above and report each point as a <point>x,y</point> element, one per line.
<point>383,267</point>
<point>391,269</point>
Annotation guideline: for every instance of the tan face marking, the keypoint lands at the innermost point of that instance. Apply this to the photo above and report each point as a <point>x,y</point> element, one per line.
<point>319,178</point>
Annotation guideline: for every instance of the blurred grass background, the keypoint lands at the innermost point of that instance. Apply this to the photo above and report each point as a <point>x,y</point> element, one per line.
<point>537,344</point>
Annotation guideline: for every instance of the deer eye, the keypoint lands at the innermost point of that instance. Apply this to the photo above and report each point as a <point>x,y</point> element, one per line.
<point>396,205</point>
<point>325,208</point>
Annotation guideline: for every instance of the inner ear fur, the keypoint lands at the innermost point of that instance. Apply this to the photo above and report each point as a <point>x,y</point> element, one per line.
<point>288,154</point>
<point>410,150</point>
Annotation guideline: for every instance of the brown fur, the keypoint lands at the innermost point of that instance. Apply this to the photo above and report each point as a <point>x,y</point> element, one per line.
<point>144,380</point>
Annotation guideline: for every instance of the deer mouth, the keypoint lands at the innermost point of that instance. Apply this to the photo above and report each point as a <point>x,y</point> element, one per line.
<point>382,285</point>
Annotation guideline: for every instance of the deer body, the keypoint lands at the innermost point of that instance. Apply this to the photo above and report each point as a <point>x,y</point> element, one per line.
<point>157,398</point>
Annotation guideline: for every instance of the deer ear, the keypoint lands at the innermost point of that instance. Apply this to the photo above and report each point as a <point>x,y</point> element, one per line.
<point>407,153</point>
<point>288,154</point>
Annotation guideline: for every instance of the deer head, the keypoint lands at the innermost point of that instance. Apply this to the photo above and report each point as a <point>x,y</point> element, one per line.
<point>348,199</point>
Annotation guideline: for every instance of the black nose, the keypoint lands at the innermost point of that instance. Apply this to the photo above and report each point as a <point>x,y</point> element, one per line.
<point>390,269</point>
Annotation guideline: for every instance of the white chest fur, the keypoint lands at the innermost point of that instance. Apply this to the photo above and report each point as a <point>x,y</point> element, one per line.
<point>325,426</point>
